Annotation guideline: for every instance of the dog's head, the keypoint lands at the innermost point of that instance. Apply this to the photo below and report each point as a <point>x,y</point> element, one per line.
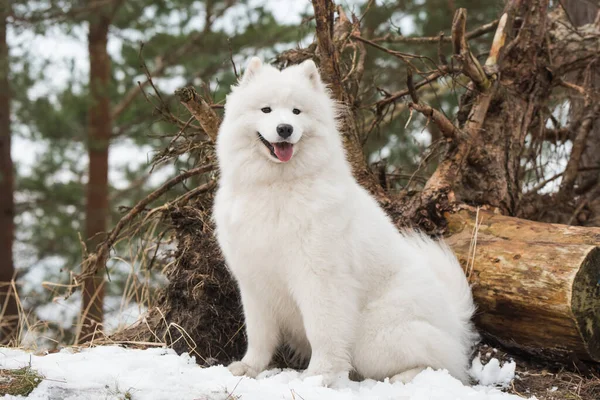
<point>284,118</point>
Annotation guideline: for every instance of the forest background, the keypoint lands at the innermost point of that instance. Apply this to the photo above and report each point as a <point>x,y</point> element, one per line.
<point>83,130</point>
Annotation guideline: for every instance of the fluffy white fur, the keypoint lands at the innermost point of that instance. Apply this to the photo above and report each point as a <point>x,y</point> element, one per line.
<point>319,264</point>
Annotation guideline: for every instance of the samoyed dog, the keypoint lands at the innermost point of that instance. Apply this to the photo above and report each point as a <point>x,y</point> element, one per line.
<point>319,264</point>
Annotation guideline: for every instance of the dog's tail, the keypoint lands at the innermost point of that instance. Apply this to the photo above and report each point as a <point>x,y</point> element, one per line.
<point>448,269</point>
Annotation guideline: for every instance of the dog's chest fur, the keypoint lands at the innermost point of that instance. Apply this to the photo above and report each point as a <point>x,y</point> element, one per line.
<point>279,225</point>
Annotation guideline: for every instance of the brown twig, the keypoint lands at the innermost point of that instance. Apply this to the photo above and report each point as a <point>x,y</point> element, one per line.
<point>471,67</point>
<point>482,30</point>
<point>554,177</point>
<point>498,42</point>
<point>406,57</point>
<point>442,71</point>
<point>441,57</point>
<point>410,85</point>
<point>587,122</point>
<point>579,89</point>
<point>235,72</point>
<point>329,56</point>
<point>201,110</point>
<point>96,261</point>
<point>446,126</point>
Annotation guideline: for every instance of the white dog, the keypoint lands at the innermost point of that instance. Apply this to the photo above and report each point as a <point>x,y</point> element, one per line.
<point>319,264</point>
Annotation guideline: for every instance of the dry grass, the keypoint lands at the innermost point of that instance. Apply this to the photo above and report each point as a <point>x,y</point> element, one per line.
<point>548,380</point>
<point>18,382</point>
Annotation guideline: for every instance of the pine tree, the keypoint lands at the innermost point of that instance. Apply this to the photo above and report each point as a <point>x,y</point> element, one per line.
<point>98,141</point>
<point>8,310</point>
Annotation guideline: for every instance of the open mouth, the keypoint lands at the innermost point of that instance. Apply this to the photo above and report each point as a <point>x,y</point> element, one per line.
<point>283,151</point>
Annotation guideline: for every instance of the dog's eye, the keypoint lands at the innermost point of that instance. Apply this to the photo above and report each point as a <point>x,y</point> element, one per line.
<point>266,110</point>
<point>296,111</point>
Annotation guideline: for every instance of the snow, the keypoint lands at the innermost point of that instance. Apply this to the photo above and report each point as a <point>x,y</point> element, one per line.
<point>492,373</point>
<point>112,372</point>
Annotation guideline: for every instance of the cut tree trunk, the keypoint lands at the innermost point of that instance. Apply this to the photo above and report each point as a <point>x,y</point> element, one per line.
<point>536,285</point>
<point>8,304</point>
<point>99,133</point>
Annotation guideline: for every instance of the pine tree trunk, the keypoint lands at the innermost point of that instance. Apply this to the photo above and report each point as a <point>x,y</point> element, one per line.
<point>99,133</point>
<point>8,305</point>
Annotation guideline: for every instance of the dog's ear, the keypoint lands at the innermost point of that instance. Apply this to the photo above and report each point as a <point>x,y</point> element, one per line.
<point>252,68</point>
<point>310,70</point>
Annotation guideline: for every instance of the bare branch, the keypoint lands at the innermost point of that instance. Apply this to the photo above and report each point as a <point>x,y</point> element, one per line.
<point>96,261</point>
<point>410,85</point>
<point>587,122</point>
<point>446,126</point>
<point>498,42</point>
<point>442,71</point>
<point>571,48</point>
<point>163,62</point>
<point>330,37</point>
<point>462,52</point>
<point>406,57</point>
<point>579,89</point>
<point>201,110</point>
<point>482,30</point>
<point>559,135</point>
<point>328,55</point>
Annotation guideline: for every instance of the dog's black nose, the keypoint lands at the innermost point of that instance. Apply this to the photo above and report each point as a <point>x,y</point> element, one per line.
<point>285,130</point>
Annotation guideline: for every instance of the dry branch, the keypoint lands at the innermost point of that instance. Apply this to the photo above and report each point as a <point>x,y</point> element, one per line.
<point>579,144</point>
<point>329,37</point>
<point>441,71</point>
<point>97,261</point>
<point>482,30</point>
<point>498,42</point>
<point>406,57</point>
<point>446,126</point>
<point>201,110</point>
<point>571,48</point>
<point>439,191</point>
<point>470,65</point>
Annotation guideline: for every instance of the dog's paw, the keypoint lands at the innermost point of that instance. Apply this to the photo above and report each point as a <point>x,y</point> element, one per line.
<point>406,376</point>
<point>323,378</point>
<point>238,368</point>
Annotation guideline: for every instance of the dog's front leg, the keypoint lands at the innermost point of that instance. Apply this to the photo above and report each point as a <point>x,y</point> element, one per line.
<point>262,330</point>
<point>329,311</point>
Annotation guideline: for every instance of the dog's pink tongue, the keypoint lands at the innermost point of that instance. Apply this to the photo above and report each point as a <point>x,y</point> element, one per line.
<point>284,151</point>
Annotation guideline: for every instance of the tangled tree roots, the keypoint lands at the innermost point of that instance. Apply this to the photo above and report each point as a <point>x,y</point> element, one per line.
<point>202,299</point>
<point>200,311</point>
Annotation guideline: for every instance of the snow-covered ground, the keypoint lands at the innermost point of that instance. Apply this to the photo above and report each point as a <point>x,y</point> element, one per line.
<point>111,372</point>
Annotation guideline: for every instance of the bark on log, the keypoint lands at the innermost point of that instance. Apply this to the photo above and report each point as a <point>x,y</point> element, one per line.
<point>536,285</point>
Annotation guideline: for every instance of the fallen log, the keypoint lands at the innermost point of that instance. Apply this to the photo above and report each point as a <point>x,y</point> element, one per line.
<point>536,285</point>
